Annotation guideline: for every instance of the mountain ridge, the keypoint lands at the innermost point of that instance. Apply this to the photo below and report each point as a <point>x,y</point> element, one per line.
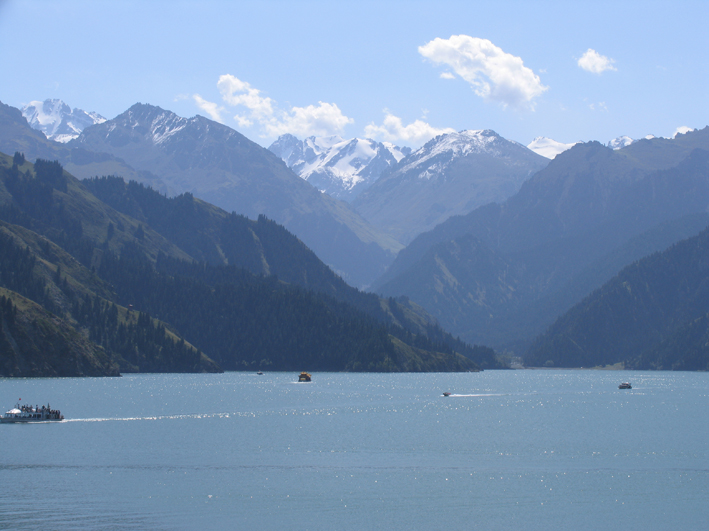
<point>219,165</point>
<point>589,201</point>
<point>57,120</point>
<point>338,167</point>
<point>450,175</point>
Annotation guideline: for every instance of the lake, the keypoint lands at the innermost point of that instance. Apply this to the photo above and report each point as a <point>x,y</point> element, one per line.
<point>509,450</point>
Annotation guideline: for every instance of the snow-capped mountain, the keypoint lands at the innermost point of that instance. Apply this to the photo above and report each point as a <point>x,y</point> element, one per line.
<point>218,164</point>
<point>546,147</point>
<point>452,174</point>
<point>338,167</point>
<point>621,142</point>
<point>57,120</point>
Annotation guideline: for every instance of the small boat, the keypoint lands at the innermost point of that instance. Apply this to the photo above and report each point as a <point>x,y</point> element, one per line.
<point>260,373</point>
<point>625,385</point>
<point>304,377</point>
<point>446,393</point>
<point>31,414</point>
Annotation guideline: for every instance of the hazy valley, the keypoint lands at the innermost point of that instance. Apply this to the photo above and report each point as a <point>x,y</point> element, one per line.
<point>471,236</point>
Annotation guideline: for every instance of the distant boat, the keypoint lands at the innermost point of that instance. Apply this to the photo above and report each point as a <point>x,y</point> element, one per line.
<point>259,372</point>
<point>625,385</point>
<point>31,414</point>
<point>304,377</point>
<point>446,393</point>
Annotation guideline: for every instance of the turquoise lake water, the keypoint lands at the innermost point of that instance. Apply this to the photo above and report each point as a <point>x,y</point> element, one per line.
<point>510,450</point>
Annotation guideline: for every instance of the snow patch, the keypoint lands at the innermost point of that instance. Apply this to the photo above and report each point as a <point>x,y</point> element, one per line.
<point>620,142</point>
<point>546,147</point>
<point>454,145</point>
<point>343,165</point>
<point>57,120</point>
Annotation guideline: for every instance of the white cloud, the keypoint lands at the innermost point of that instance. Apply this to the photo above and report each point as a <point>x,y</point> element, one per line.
<point>236,92</point>
<point>447,75</point>
<point>323,119</point>
<point>393,130</point>
<point>595,63</point>
<point>681,130</point>
<point>212,109</point>
<point>493,74</point>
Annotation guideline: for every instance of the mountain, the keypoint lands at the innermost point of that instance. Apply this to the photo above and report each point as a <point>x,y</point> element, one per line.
<point>450,175</point>
<point>16,136</point>
<point>337,167</point>
<point>652,315</point>
<point>546,147</point>
<point>264,248</point>
<point>138,292</point>
<point>539,246</point>
<point>57,120</point>
<point>223,167</point>
<point>213,162</point>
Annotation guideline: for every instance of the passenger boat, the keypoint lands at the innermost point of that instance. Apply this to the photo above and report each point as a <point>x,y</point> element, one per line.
<point>31,414</point>
<point>304,377</point>
<point>446,393</point>
<point>625,385</point>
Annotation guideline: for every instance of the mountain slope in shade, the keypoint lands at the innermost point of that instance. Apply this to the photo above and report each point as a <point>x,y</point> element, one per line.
<point>639,317</point>
<point>589,202</point>
<point>224,309</point>
<point>546,147</point>
<point>450,175</point>
<point>57,120</point>
<point>223,167</point>
<point>340,168</point>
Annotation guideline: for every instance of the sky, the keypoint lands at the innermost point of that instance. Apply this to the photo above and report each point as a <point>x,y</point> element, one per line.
<point>397,71</point>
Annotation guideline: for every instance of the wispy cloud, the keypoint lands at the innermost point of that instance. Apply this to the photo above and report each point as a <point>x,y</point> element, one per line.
<point>258,110</point>
<point>212,109</point>
<point>322,119</point>
<point>393,129</point>
<point>593,62</point>
<point>492,73</point>
<point>600,106</point>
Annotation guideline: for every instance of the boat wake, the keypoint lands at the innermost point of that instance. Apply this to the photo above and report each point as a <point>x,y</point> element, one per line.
<point>453,395</point>
<point>160,417</point>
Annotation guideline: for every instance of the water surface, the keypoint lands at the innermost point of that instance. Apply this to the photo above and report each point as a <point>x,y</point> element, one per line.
<point>509,450</point>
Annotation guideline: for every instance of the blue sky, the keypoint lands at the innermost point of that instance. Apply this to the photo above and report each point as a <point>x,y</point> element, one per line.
<point>395,70</point>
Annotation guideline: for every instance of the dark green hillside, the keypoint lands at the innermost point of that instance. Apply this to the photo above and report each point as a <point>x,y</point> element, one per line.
<point>49,201</point>
<point>80,265</point>
<point>262,247</point>
<point>252,322</point>
<point>34,342</point>
<point>131,341</point>
<point>212,235</point>
<point>687,349</point>
<point>639,317</point>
